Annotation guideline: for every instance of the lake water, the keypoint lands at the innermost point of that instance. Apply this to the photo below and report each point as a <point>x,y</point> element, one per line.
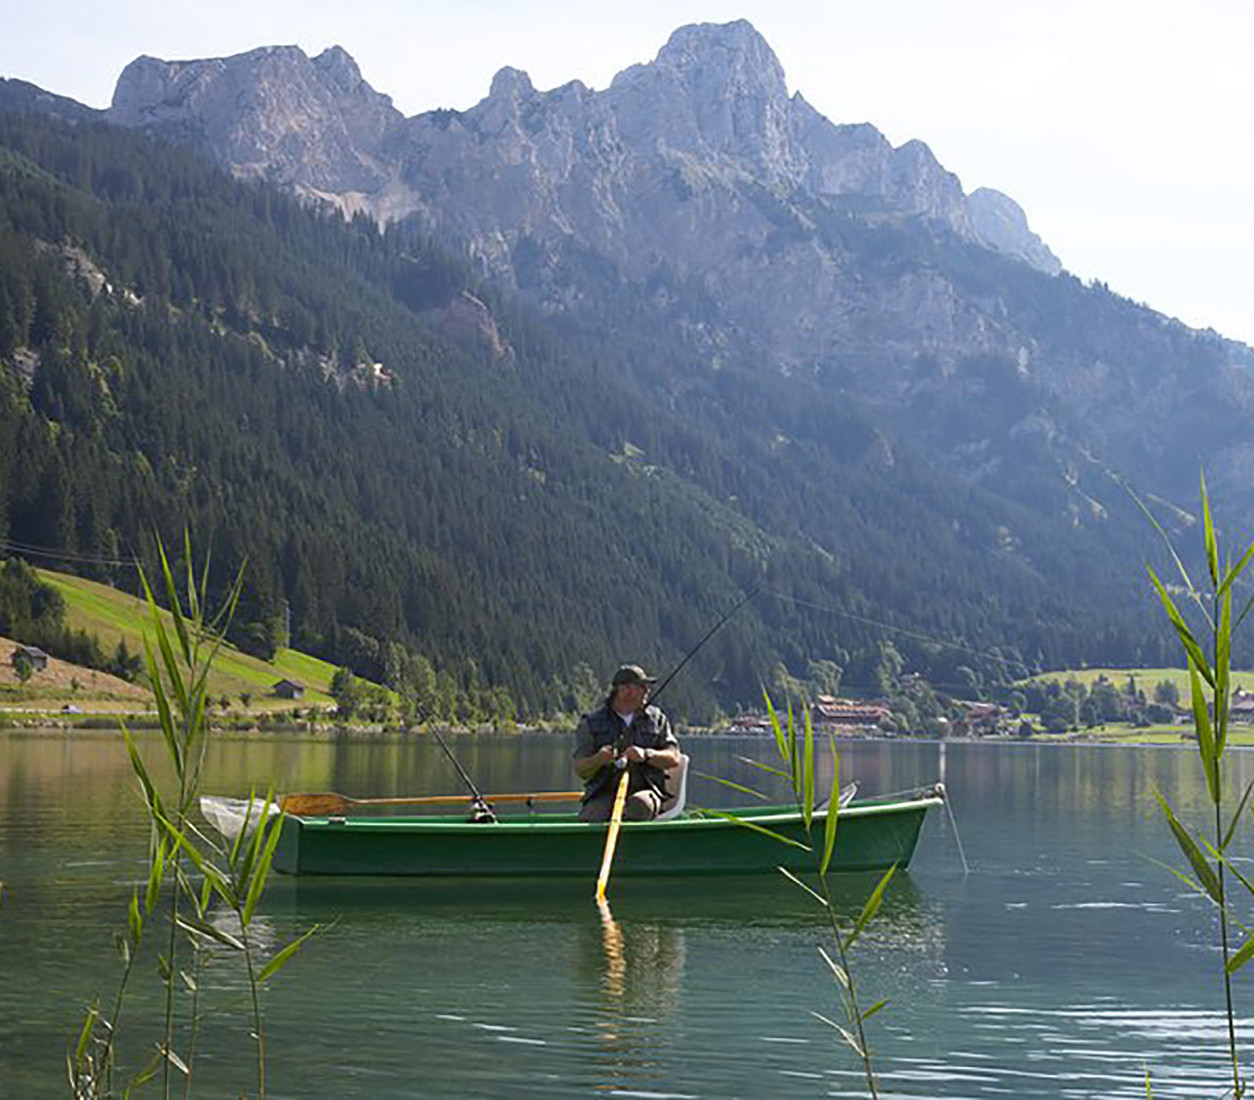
<point>1065,964</point>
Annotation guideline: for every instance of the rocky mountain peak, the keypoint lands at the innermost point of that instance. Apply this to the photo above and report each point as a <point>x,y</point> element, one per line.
<point>730,59</point>
<point>714,90</point>
<point>606,170</point>
<point>511,83</point>
<point>337,67</point>
<point>1002,225</point>
<point>314,124</point>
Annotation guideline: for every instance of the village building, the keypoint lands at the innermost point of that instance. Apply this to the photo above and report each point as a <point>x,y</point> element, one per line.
<point>288,689</point>
<point>850,714</point>
<point>1241,706</point>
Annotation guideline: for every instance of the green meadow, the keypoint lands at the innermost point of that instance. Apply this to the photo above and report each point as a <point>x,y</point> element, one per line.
<point>115,616</point>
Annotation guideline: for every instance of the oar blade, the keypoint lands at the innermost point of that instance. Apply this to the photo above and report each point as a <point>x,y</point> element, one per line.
<point>313,805</point>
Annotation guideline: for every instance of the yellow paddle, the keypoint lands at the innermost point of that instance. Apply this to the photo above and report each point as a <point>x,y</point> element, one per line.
<point>611,837</point>
<point>328,803</point>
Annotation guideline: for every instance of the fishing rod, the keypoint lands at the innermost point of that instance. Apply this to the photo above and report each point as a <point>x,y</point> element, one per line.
<point>696,648</point>
<point>482,812</point>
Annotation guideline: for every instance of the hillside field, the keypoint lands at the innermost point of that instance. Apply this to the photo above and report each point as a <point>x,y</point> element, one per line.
<point>1146,678</point>
<point>115,616</point>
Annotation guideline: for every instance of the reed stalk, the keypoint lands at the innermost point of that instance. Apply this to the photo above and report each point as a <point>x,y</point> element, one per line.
<point>194,870</point>
<point>1210,867</point>
<point>798,756</point>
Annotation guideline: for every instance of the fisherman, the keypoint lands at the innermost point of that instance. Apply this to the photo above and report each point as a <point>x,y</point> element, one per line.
<point>624,732</point>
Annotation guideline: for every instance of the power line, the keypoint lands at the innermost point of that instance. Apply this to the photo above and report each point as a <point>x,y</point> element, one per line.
<point>60,555</point>
<point>21,549</point>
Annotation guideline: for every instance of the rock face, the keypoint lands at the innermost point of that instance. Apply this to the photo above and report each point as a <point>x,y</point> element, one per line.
<point>748,221</point>
<point>1002,225</point>
<point>712,110</point>
<point>274,113</point>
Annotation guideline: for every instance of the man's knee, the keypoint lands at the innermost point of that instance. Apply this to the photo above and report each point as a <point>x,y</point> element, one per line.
<point>595,809</point>
<point>642,806</point>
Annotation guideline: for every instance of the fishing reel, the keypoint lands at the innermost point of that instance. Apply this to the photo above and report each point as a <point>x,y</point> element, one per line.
<point>481,813</point>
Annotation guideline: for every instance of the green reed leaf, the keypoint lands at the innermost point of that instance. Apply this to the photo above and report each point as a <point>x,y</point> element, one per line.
<point>1208,535</point>
<point>84,1036</point>
<point>175,604</point>
<point>156,874</point>
<point>777,772</point>
<point>1205,736</point>
<point>740,787</point>
<point>1186,635</point>
<point>146,1074</point>
<point>1205,873</point>
<point>753,826</point>
<point>134,920</point>
<point>874,1009</point>
<point>1232,826</point>
<point>280,960</point>
<point>794,765</point>
<point>262,872</point>
<point>808,768</point>
<point>207,930</point>
<point>833,810</point>
<point>780,742</point>
<point>1241,957</point>
<point>1235,571</point>
<point>871,907</point>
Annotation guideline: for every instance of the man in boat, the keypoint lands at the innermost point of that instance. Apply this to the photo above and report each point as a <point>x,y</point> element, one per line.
<point>625,732</point>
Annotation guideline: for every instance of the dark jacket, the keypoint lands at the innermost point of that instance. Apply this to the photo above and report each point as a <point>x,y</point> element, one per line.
<point>650,729</point>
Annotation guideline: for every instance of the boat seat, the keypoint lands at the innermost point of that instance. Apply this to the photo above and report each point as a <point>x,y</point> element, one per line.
<point>677,790</point>
<point>847,794</point>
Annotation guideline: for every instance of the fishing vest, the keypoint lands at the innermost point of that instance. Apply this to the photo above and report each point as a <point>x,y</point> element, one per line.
<point>648,730</point>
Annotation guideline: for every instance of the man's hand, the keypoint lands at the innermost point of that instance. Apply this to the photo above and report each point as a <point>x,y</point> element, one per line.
<point>635,754</point>
<point>606,754</point>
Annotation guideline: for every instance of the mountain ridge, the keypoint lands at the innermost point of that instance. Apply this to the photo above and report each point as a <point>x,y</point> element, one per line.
<point>729,71</point>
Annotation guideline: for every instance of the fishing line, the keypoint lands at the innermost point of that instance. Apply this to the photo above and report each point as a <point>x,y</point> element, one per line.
<point>915,634</point>
<point>708,635</point>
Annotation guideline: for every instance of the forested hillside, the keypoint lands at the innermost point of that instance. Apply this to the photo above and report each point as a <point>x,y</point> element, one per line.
<point>505,502</point>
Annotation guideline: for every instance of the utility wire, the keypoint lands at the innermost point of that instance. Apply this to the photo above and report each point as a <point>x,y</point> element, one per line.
<point>60,555</point>
<point>21,549</point>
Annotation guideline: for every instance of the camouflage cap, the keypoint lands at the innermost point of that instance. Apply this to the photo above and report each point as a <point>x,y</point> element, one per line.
<point>632,674</point>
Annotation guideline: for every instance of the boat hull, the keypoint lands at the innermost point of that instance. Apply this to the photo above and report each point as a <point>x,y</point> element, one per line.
<point>869,836</point>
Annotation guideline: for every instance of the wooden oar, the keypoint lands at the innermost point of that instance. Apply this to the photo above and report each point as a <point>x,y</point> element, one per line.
<point>611,837</point>
<point>329,803</point>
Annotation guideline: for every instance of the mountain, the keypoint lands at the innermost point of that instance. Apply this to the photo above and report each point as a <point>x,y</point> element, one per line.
<point>615,359</point>
<point>764,231</point>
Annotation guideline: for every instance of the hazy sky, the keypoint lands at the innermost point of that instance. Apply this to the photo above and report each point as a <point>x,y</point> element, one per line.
<point>1123,127</point>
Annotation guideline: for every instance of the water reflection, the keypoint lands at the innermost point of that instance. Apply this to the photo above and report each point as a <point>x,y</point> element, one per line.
<point>639,971</point>
<point>1061,967</point>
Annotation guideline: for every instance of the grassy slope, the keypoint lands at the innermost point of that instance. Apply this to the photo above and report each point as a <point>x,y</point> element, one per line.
<point>114,616</point>
<point>1146,678</point>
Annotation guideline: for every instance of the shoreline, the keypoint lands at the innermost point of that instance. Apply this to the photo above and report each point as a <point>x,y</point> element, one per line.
<point>29,726</point>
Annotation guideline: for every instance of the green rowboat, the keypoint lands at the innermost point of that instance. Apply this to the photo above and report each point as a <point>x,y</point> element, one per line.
<point>871,835</point>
